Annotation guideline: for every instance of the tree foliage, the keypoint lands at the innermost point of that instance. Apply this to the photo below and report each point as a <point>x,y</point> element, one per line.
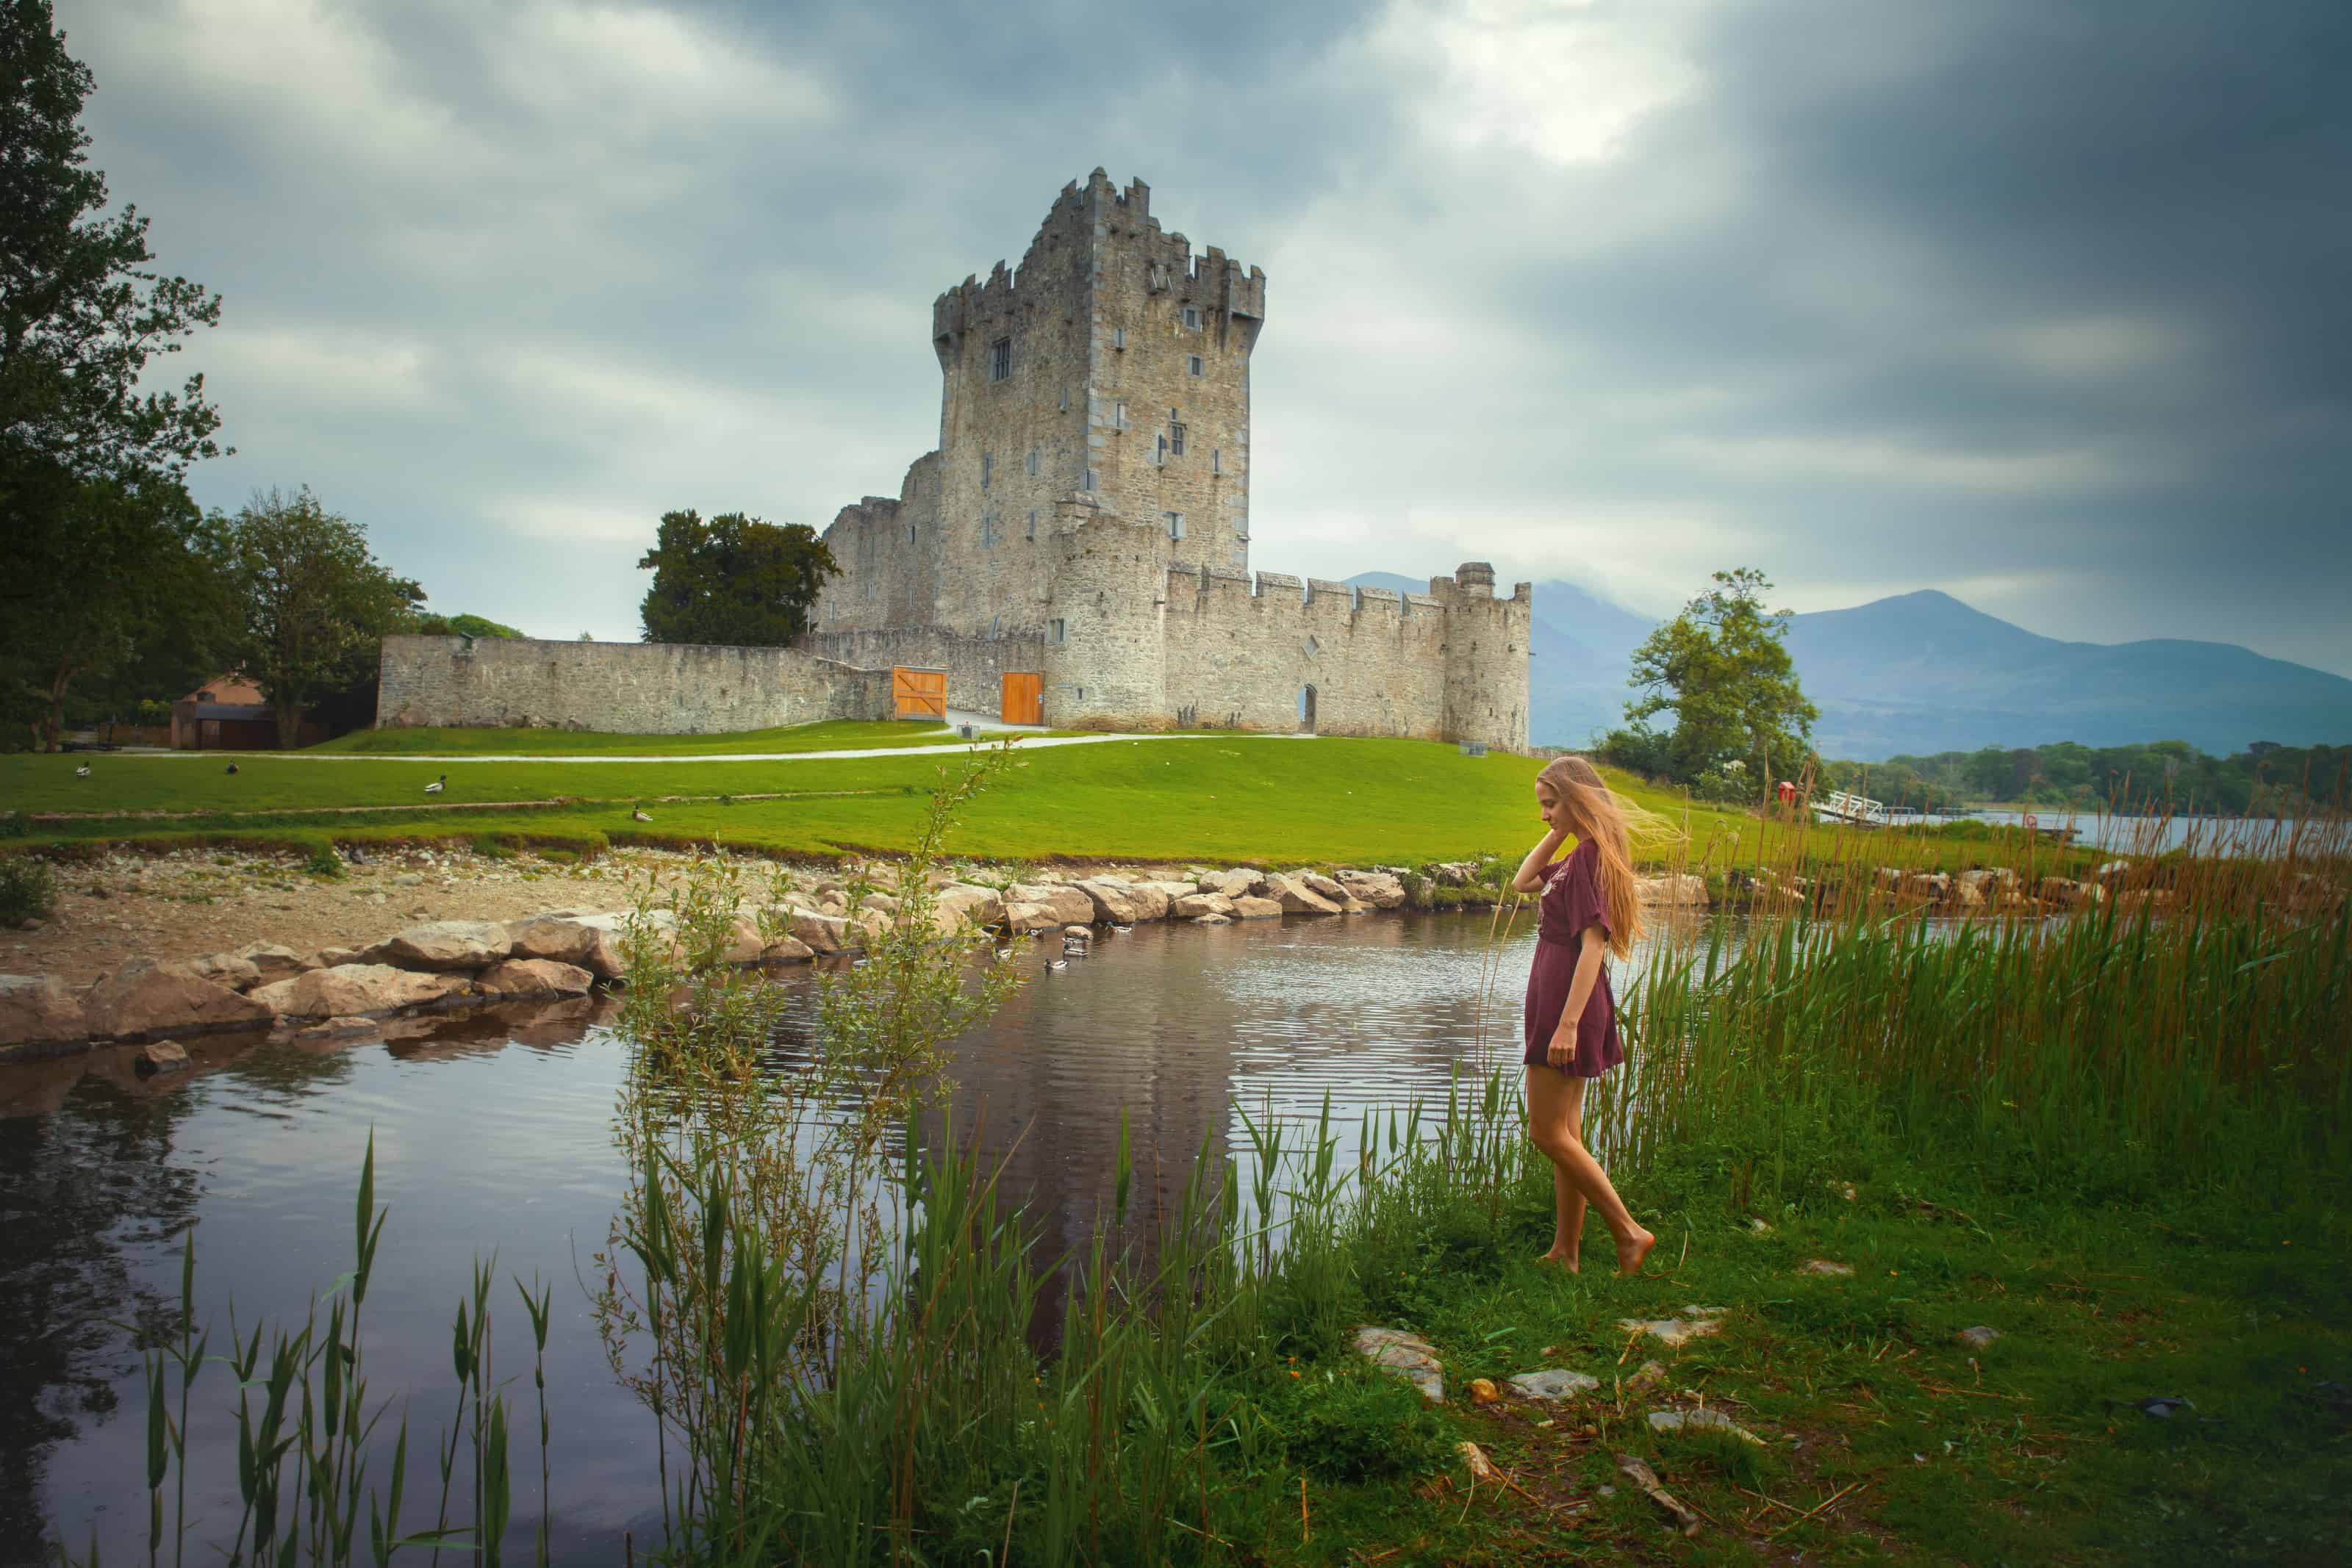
<point>106,552</point>
<point>1721,669</point>
<point>733,579</point>
<point>423,624</point>
<point>312,601</point>
<point>79,317</point>
<point>2264,779</point>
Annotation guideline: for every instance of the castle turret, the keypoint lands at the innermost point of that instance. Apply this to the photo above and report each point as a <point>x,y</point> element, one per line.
<point>1485,656</point>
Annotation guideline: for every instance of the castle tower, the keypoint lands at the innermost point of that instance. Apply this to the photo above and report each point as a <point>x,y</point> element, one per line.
<point>1485,656</point>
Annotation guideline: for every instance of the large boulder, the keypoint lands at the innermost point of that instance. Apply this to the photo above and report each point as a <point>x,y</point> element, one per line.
<point>787,950</point>
<point>1684,892</point>
<point>1149,900</point>
<point>1233,883</point>
<point>275,963</point>
<point>1030,918</point>
<point>2066,893</point>
<point>1193,906</point>
<point>1454,873</point>
<point>359,990</point>
<point>442,946</point>
<point>1317,882</point>
<point>563,939</point>
<point>1175,890</point>
<point>234,970</point>
<point>1070,906</point>
<point>1248,908</point>
<point>1297,898</point>
<point>145,999</point>
<point>817,932</point>
<point>1382,889</point>
<point>964,901</point>
<point>37,1011</point>
<point>1114,900</point>
<point>1934,886</point>
<point>1968,891</point>
<point>527,979</point>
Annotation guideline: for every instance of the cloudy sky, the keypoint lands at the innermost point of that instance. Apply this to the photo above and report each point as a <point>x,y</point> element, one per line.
<point>2041,304</point>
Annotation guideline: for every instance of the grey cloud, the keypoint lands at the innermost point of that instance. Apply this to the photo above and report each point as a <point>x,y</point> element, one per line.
<point>2042,299</point>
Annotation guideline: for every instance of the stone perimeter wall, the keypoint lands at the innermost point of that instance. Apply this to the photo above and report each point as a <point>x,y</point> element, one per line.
<point>627,688</point>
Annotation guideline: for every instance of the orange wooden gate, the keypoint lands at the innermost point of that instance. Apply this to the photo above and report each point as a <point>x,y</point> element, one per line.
<point>920,694</point>
<point>1024,697</point>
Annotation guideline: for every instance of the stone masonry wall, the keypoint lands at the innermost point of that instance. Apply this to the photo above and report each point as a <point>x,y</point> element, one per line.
<point>1242,654</point>
<point>628,688</point>
<point>975,665</point>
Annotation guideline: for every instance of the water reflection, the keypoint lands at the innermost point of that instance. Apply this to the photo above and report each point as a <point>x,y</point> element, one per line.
<point>494,1134</point>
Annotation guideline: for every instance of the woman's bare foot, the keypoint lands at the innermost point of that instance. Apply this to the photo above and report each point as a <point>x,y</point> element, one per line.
<point>1567,1260</point>
<point>1631,1250</point>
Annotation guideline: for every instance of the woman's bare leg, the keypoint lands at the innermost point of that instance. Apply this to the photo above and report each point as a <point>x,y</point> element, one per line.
<point>1568,1198</point>
<point>1555,1121</point>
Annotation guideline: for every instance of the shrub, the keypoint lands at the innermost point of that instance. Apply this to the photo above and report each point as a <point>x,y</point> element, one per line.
<point>323,861</point>
<point>28,890</point>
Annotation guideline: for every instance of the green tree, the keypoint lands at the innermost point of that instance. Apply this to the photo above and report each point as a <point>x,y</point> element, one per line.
<point>423,624</point>
<point>1722,669</point>
<point>733,579</point>
<point>101,540</point>
<point>313,604</point>
<point>112,577</point>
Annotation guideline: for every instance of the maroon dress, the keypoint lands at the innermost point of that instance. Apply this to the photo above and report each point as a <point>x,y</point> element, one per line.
<point>1571,900</point>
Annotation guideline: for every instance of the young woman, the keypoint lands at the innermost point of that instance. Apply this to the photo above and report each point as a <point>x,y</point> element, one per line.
<point>1588,910</point>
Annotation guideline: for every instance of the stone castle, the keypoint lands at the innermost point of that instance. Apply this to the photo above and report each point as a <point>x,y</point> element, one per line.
<point>1076,552</point>
<point>1086,519</point>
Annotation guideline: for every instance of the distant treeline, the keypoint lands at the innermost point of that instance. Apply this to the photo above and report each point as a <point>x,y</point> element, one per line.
<point>2264,779</point>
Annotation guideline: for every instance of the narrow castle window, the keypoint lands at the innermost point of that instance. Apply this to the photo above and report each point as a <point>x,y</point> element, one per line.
<point>910,533</point>
<point>1175,524</point>
<point>1053,631</point>
<point>1216,459</point>
<point>987,468</point>
<point>995,627</point>
<point>1033,524</point>
<point>1118,414</point>
<point>1175,441</point>
<point>1000,360</point>
<point>1191,318</point>
<point>1032,463</point>
<point>1118,336</point>
<point>1091,478</point>
<point>1065,400</point>
<point>1161,454</point>
<point>1193,364</point>
<point>988,530</point>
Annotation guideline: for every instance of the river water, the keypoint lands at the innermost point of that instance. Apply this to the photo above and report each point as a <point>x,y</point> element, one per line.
<point>493,1134</point>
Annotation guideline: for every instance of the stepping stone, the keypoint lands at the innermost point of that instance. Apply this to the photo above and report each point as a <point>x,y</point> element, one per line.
<point>1823,1266</point>
<point>1409,1356</point>
<point>1700,1421</point>
<point>1554,1384</point>
<point>1694,1322</point>
<point>1979,1337</point>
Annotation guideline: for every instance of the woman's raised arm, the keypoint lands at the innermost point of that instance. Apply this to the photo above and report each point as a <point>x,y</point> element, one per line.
<point>1532,869</point>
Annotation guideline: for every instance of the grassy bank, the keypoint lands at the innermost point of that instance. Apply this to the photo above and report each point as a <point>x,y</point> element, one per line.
<point>1225,797</point>
<point>2119,1141</point>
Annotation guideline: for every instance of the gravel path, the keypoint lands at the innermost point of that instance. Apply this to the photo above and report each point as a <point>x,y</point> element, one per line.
<point>697,757</point>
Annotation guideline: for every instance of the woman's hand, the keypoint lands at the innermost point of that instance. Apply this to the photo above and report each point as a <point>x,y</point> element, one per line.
<point>1561,1052</point>
<point>1531,870</point>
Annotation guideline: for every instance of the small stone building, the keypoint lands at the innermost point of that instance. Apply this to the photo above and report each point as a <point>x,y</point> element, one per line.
<point>1076,551</point>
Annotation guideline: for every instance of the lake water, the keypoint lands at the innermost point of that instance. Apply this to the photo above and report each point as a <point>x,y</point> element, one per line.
<point>494,1134</point>
<point>2148,835</point>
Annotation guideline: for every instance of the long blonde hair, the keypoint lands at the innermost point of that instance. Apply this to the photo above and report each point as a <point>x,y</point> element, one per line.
<point>1597,813</point>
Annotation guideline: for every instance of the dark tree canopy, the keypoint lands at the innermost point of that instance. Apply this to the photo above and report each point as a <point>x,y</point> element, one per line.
<point>107,560</point>
<point>314,603</point>
<point>733,579</point>
<point>79,313</point>
<point>1722,669</point>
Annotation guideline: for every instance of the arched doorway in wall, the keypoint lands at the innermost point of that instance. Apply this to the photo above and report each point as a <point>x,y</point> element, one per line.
<point>1307,710</point>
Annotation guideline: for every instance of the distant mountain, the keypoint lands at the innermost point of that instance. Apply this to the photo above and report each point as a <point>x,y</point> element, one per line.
<point>1923,673</point>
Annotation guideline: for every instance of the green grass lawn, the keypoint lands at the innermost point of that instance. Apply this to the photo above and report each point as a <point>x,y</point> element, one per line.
<point>2032,1450</point>
<point>834,734</point>
<point>1228,797</point>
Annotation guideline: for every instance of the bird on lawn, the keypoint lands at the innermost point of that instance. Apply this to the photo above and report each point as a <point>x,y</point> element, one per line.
<point>82,772</point>
<point>438,785</point>
<point>640,815</point>
<point>232,767</point>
